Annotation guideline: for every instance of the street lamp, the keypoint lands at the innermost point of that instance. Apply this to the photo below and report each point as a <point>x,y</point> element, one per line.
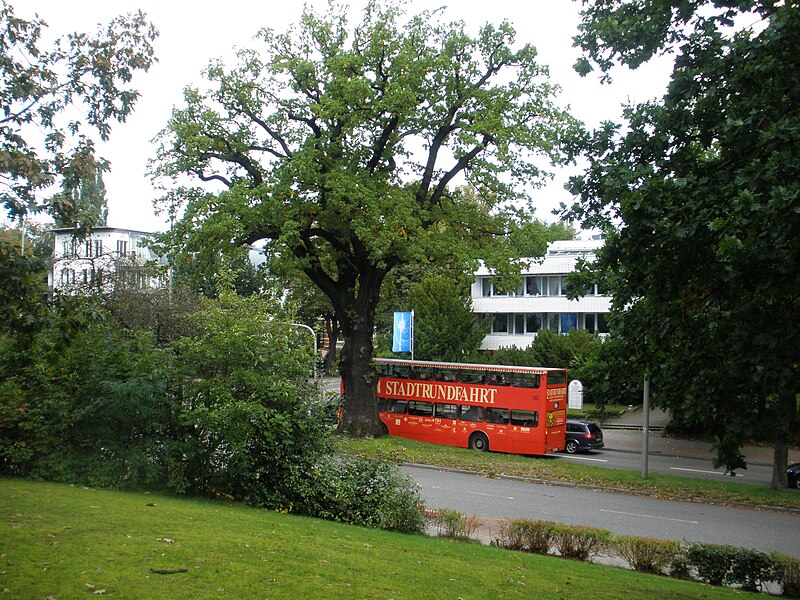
<point>314,336</point>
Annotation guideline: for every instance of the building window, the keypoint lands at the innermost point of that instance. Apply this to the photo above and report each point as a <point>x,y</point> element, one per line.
<point>533,286</point>
<point>554,286</point>
<point>569,321</point>
<point>589,322</point>
<point>500,324</point>
<point>602,324</point>
<point>533,322</point>
<point>486,287</point>
<point>553,321</point>
<point>519,324</point>
<point>98,247</point>
<point>122,247</point>
<point>87,249</point>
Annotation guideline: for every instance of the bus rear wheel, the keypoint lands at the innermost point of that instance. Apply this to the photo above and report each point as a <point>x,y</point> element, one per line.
<point>479,441</point>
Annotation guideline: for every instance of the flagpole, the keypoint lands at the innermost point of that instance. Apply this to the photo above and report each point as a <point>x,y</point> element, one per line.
<point>412,335</point>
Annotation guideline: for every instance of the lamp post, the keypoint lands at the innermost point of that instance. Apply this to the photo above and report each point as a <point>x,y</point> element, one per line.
<point>314,337</point>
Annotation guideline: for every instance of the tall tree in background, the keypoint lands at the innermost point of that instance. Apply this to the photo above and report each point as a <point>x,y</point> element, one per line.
<point>88,203</point>
<point>339,148</point>
<point>700,200</point>
<point>55,98</point>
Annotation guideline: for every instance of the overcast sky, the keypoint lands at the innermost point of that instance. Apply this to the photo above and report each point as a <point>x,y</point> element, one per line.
<point>192,33</point>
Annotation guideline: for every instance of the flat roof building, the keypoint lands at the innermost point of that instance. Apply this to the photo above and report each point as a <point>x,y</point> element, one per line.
<point>539,302</point>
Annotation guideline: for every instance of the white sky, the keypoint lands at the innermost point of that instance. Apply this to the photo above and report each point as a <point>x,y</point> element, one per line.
<point>192,33</point>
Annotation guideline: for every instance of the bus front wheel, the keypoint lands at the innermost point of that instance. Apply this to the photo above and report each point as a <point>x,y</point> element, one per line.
<point>479,442</point>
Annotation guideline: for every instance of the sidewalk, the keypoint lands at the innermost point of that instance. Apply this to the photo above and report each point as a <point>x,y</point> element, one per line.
<point>626,440</point>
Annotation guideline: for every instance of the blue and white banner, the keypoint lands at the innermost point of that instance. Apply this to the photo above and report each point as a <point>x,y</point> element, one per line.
<point>403,324</point>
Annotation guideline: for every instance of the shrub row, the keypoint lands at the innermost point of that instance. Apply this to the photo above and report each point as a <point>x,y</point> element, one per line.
<point>718,565</point>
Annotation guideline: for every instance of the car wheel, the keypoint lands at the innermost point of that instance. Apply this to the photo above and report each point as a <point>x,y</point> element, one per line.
<point>479,442</point>
<point>797,482</point>
<point>571,447</point>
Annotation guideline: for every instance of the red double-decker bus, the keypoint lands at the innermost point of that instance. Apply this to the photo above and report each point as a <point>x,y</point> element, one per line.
<point>519,410</point>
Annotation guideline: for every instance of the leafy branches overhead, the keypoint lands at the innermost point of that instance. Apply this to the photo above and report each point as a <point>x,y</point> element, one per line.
<point>704,184</point>
<point>57,99</point>
<point>341,147</point>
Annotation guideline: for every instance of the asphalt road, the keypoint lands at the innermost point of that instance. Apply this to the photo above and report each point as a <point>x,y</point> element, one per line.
<point>622,514</point>
<point>702,468</point>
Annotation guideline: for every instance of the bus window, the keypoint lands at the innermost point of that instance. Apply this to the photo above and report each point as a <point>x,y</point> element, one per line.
<point>398,407</point>
<point>446,411</point>
<point>498,379</point>
<point>556,377</point>
<point>445,375</point>
<point>498,415</point>
<point>422,409</point>
<point>469,376</point>
<point>471,413</point>
<point>383,403</point>
<point>424,373</point>
<point>526,380</point>
<point>525,418</point>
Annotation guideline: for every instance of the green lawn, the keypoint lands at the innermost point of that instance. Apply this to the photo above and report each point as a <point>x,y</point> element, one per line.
<point>61,541</point>
<point>547,468</point>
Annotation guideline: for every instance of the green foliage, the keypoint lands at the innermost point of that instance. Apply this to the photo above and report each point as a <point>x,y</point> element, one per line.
<point>646,554</point>
<point>245,399</point>
<point>366,492</point>
<point>551,349</point>
<point>89,206</point>
<point>729,565</point>
<point>580,543</point>
<point>21,291</point>
<point>526,535</point>
<point>452,524</point>
<point>698,199</point>
<point>45,89</point>
<point>328,172</point>
<point>91,402</point>
<point>445,327</point>
<point>788,571</point>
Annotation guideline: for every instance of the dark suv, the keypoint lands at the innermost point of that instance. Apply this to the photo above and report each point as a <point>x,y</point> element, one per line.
<point>583,436</point>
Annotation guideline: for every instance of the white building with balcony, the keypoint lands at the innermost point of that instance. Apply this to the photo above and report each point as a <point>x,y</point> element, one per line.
<point>107,258</point>
<point>539,303</point>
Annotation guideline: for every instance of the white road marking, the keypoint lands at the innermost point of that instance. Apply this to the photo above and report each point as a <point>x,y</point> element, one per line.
<point>585,458</point>
<point>617,512</point>
<point>702,471</point>
<point>436,487</point>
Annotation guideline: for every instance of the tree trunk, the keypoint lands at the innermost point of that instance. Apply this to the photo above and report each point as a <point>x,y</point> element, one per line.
<point>360,403</point>
<point>786,417</point>
<point>332,330</point>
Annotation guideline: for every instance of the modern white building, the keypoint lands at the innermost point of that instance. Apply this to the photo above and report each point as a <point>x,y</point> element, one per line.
<point>539,302</point>
<point>105,259</point>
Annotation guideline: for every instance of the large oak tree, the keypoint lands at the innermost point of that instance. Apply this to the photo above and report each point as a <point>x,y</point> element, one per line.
<point>700,198</point>
<point>341,147</point>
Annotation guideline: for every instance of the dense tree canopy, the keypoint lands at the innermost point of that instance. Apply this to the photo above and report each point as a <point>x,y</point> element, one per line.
<point>700,200</point>
<point>340,147</point>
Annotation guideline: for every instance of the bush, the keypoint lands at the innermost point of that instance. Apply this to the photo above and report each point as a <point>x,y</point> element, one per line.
<point>580,543</point>
<point>728,565</point>
<point>359,491</point>
<point>526,535</point>
<point>787,569</point>
<point>452,524</point>
<point>646,554</point>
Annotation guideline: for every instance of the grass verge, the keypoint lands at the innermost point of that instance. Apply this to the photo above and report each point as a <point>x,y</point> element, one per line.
<point>62,541</point>
<point>547,468</point>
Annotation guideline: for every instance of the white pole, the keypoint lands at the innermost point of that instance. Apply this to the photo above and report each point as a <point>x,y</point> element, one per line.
<point>645,426</point>
<point>314,337</point>
<point>412,335</point>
